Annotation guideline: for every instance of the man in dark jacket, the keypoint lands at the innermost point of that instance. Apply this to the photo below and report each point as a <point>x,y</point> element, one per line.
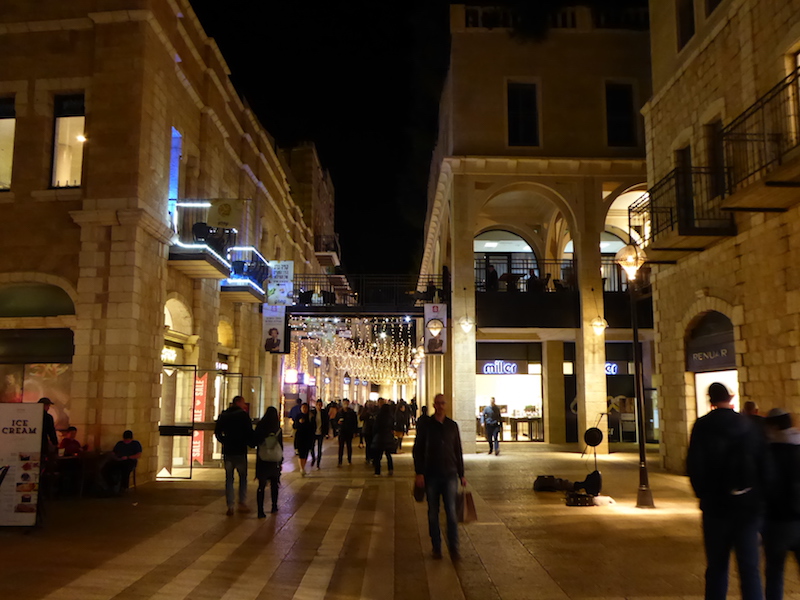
<point>729,469</point>
<point>234,431</point>
<point>491,424</point>
<point>782,527</point>
<point>321,428</point>
<point>348,426</point>
<point>439,464</point>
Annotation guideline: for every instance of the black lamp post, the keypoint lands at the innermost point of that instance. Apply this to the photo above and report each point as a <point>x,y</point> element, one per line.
<point>631,258</point>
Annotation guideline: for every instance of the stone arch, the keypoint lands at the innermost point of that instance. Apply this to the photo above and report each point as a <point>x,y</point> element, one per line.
<point>35,277</point>
<point>225,332</point>
<point>622,197</point>
<point>178,314</point>
<point>540,189</point>
<point>535,244</point>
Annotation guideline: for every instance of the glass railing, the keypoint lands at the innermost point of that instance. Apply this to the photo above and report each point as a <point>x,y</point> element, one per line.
<point>189,221</point>
<point>248,267</point>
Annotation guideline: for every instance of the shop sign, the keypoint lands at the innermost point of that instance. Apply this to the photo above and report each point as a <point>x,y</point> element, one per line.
<point>21,426</point>
<point>499,367</point>
<point>198,440</point>
<point>225,213</point>
<point>702,358</point>
<point>435,328</point>
<point>616,368</point>
<point>168,355</point>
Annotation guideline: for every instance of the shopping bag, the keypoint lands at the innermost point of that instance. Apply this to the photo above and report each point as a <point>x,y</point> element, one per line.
<point>465,507</point>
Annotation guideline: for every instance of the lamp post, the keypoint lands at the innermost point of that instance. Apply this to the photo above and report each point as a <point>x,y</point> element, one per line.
<point>631,258</point>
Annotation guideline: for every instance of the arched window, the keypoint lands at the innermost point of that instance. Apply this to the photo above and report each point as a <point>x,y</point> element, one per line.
<point>506,256</point>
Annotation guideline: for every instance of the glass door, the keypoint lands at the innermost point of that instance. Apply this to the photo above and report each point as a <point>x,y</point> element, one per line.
<point>176,423</point>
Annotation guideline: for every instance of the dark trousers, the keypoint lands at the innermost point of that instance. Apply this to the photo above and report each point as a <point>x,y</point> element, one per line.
<point>274,484</point>
<point>376,460</point>
<point>780,538</point>
<point>368,451</point>
<point>445,488</point>
<point>493,437</point>
<point>346,439</point>
<point>318,443</point>
<point>721,534</point>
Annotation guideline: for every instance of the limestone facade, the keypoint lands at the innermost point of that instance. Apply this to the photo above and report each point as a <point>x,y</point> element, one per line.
<point>145,69</point>
<point>570,185</point>
<point>740,50</point>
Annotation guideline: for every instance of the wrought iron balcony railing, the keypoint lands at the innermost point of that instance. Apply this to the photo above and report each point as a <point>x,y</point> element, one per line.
<point>686,201</point>
<point>248,267</point>
<point>758,140</point>
<point>530,275</point>
<point>389,291</point>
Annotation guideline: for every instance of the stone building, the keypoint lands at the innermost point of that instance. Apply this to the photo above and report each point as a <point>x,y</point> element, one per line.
<point>141,200</point>
<point>540,152</point>
<point>722,159</point>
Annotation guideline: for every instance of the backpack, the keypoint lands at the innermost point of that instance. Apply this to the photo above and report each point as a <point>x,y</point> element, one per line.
<point>270,449</point>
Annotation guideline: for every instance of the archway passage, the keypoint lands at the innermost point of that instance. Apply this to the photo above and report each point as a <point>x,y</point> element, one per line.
<point>503,261</point>
<point>711,356</point>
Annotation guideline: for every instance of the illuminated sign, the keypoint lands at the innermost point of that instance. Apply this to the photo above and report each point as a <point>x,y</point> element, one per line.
<point>221,366</point>
<point>290,376</point>
<point>347,381</point>
<point>168,355</point>
<point>612,368</point>
<point>500,367</point>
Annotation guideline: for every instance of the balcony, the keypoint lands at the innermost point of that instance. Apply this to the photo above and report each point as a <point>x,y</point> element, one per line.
<point>249,271</point>
<point>198,250</point>
<point>531,275</point>
<point>327,250</point>
<point>682,213</point>
<point>762,148</point>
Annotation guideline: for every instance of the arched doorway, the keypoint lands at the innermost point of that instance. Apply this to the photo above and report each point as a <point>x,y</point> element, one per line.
<point>711,356</point>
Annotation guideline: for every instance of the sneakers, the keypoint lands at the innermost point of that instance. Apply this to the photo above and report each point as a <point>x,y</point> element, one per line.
<point>229,512</point>
<point>243,508</point>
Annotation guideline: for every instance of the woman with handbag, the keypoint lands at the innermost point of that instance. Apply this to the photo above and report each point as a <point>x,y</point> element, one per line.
<point>383,439</point>
<point>269,456</point>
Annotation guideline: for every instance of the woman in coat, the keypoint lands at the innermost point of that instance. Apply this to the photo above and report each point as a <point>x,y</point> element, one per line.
<point>268,471</point>
<point>304,436</point>
<point>383,439</point>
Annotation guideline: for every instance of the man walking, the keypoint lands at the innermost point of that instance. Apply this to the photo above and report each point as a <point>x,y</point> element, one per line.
<point>491,425</point>
<point>235,432</point>
<point>348,426</point>
<point>439,465</point>
<point>728,468</point>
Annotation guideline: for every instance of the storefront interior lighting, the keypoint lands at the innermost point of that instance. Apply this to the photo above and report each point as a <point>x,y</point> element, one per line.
<point>599,325</point>
<point>290,376</point>
<point>466,324</point>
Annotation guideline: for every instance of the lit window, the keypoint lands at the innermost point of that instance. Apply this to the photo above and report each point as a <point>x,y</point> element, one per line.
<point>7,124</point>
<point>523,115</point>
<point>69,140</point>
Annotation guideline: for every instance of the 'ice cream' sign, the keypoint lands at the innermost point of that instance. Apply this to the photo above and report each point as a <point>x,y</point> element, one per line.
<point>20,462</point>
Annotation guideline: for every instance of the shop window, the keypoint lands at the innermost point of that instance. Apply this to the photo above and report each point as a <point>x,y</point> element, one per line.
<point>68,142</point>
<point>620,115</point>
<point>523,114</point>
<point>7,126</point>
<point>684,12</point>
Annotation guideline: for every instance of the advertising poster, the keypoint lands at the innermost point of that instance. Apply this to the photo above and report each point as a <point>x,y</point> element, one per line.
<point>20,447</point>
<point>435,328</point>
<point>280,287</point>
<point>49,380</point>
<point>275,326</point>
<point>199,415</point>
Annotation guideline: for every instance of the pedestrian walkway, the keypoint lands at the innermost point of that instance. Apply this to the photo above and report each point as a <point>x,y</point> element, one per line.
<point>345,534</point>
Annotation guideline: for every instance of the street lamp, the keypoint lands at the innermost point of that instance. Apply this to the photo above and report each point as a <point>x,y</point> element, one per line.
<point>631,258</point>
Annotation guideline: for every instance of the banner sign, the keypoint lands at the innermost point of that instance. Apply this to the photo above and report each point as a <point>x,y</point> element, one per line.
<point>225,213</point>
<point>21,430</point>
<point>435,328</point>
<point>276,339</point>
<point>198,440</point>
<point>280,289</point>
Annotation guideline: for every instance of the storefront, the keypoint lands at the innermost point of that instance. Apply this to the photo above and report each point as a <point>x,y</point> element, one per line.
<point>711,357</point>
<point>512,375</point>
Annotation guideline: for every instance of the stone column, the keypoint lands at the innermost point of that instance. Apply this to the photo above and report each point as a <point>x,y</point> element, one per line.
<point>120,327</point>
<point>461,353</point>
<point>553,380</point>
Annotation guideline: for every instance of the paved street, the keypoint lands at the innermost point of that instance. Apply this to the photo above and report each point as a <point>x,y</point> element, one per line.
<point>342,533</point>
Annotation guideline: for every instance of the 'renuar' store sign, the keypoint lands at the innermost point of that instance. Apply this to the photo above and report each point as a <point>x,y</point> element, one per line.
<point>701,358</point>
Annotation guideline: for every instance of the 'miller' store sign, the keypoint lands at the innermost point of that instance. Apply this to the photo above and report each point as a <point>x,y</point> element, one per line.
<point>501,367</point>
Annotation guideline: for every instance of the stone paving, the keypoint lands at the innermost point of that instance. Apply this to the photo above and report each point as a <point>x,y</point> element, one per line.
<point>343,533</point>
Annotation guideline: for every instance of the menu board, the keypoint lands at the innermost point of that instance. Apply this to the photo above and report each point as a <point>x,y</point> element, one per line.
<point>20,462</point>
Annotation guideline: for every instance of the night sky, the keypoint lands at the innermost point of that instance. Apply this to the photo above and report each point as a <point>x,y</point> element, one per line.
<point>362,80</point>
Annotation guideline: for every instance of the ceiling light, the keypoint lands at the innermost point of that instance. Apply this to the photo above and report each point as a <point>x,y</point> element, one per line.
<point>490,244</point>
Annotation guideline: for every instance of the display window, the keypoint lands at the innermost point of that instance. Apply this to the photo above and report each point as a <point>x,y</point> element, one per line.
<point>517,390</point>
<point>729,378</point>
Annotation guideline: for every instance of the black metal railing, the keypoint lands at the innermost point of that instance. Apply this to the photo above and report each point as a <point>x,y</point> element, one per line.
<point>387,291</point>
<point>247,265</point>
<point>327,243</point>
<point>757,140</point>
<point>687,200</point>
<point>190,223</point>
<point>611,17</point>
<point>530,275</point>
